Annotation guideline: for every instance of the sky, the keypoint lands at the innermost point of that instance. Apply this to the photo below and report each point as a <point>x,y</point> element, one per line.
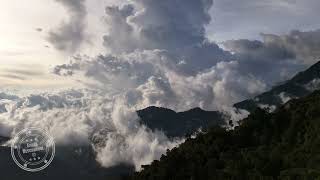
<point>82,68</point>
<point>248,18</point>
<point>24,45</point>
<point>25,25</point>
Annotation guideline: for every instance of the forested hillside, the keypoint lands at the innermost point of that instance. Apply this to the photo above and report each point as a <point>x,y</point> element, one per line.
<point>179,124</point>
<point>284,144</point>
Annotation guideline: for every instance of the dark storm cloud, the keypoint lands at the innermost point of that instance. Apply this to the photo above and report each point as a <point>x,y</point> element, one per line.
<point>69,35</point>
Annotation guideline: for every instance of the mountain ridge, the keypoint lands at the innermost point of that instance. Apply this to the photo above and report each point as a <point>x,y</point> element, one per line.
<point>296,87</point>
<point>182,124</point>
<point>179,124</point>
<point>283,144</point>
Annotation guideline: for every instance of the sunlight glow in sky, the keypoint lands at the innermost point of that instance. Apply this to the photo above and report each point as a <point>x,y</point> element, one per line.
<point>24,26</point>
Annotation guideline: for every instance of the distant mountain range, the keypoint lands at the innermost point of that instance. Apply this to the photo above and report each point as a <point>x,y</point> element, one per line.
<point>70,164</point>
<point>300,85</point>
<point>175,124</point>
<point>281,144</point>
<point>80,162</point>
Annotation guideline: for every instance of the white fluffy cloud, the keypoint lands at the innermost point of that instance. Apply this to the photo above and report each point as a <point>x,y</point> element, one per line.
<point>174,26</point>
<point>159,56</point>
<point>77,117</point>
<point>153,78</point>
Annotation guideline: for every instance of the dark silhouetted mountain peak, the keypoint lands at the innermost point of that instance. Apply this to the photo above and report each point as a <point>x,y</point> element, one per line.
<point>179,124</point>
<point>308,75</point>
<point>284,144</point>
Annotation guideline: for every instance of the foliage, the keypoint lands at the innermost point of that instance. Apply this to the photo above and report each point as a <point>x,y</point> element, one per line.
<point>280,145</point>
<point>179,124</point>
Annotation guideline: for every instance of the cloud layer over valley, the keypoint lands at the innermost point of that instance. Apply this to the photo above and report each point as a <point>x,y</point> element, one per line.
<point>157,54</point>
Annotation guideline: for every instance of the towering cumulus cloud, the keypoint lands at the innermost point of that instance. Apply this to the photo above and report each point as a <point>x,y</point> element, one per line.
<point>159,55</point>
<point>160,24</point>
<point>70,34</point>
<point>175,26</point>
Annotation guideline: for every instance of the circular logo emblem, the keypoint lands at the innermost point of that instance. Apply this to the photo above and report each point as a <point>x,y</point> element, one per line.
<point>32,149</point>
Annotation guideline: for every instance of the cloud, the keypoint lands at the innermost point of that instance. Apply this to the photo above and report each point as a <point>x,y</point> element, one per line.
<point>132,142</point>
<point>24,72</point>
<point>159,55</point>
<point>12,76</point>
<point>8,96</point>
<point>78,117</point>
<point>313,85</point>
<point>284,97</point>
<point>173,26</point>
<point>304,45</point>
<point>247,18</point>
<point>276,56</point>
<point>149,71</point>
<point>70,34</point>
<point>267,107</point>
<point>62,115</point>
<point>20,74</point>
<point>158,24</point>
<point>153,78</point>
